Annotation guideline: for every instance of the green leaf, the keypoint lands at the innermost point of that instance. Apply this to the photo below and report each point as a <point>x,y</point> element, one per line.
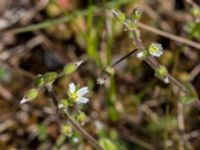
<point>42,133</point>
<point>107,144</point>
<point>193,96</point>
<point>2,74</point>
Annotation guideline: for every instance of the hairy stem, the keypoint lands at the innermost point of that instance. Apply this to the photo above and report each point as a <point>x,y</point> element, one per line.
<point>154,64</point>
<point>75,125</point>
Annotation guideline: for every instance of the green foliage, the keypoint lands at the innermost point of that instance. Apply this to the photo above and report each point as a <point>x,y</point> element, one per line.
<point>107,144</point>
<point>2,74</point>
<point>165,123</point>
<point>188,99</point>
<point>193,28</point>
<point>41,131</point>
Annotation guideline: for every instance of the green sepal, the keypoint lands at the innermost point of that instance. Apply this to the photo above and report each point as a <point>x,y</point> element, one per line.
<point>31,94</point>
<point>161,72</point>
<point>69,68</point>
<point>38,81</point>
<point>50,77</point>
<point>136,14</point>
<point>67,130</point>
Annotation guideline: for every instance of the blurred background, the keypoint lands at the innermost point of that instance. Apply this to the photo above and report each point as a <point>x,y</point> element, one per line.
<point>134,109</point>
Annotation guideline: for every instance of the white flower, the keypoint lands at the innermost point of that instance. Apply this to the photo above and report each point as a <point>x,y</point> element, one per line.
<point>78,95</point>
<point>155,49</point>
<point>100,81</point>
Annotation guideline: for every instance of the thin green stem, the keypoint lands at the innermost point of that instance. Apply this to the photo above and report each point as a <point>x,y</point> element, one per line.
<point>67,18</point>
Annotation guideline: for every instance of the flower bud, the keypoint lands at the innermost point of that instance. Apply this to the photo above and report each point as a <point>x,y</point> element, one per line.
<point>109,70</point>
<point>29,95</point>
<point>142,54</point>
<point>81,117</point>
<point>69,68</point>
<point>161,72</point>
<point>119,15</point>
<point>50,77</point>
<point>38,81</point>
<point>136,14</point>
<point>63,104</point>
<point>67,130</point>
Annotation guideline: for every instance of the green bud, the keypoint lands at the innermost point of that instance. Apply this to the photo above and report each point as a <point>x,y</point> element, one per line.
<point>39,81</point>
<point>131,25</point>
<point>161,72</point>
<point>142,54</point>
<point>67,130</point>
<point>109,70</point>
<point>29,95</point>
<point>196,11</point>
<point>119,15</point>
<point>81,117</point>
<point>50,77</point>
<point>63,103</point>
<point>136,14</point>
<point>69,68</point>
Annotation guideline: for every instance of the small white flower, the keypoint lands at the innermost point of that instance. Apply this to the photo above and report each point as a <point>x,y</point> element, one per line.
<point>78,95</point>
<point>155,49</point>
<point>100,81</point>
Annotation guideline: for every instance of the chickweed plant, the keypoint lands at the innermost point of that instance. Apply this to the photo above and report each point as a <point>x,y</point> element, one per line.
<point>68,113</point>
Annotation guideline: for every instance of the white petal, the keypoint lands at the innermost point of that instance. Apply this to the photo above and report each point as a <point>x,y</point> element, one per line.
<point>100,81</point>
<point>24,100</point>
<point>166,80</point>
<point>82,100</point>
<point>82,91</point>
<point>72,87</point>
<point>158,53</point>
<point>78,63</point>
